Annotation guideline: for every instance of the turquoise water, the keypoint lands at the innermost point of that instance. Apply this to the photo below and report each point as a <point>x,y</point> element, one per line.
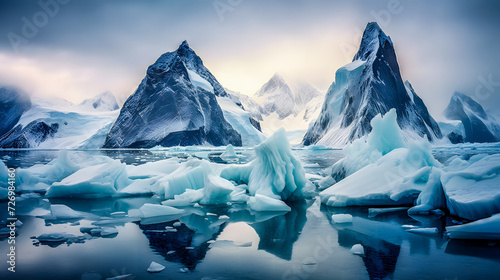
<point>301,244</point>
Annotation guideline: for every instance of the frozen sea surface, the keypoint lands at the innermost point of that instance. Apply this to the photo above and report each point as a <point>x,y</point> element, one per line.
<point>233,242</point>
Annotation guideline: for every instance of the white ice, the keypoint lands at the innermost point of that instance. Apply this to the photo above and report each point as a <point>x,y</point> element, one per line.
<point>154,210</point>
<point>275,172</point>
<point>155,267</point>
<point>264,203</point>
<point>357,249</point>
<point>396,177</point>
<point>487,228</point>
<point>342,218</point>
<point>96,181</point>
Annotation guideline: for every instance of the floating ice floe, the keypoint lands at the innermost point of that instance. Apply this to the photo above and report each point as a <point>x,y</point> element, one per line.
<point>342,219</point>
<point>41,176</point>
<point>155,267</point>
<point>487,228</point>
<point>154,210</point>
<point>357,249</point>
<point>96,181</point>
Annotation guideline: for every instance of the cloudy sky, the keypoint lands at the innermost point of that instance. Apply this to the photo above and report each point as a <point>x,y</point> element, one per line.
<point>77,49</point>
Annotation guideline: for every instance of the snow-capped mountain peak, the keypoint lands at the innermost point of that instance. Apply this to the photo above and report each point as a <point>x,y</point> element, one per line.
<point>366,87</point>
<point>105,101</point>
<point>374,41</point>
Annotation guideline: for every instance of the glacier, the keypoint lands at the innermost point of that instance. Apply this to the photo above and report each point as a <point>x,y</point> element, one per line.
<point>59,124</point>
<point>371,84</point>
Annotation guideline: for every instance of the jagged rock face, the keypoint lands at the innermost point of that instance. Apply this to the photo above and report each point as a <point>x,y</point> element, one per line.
<point>478,125</point>
<point>369,86</point>
<point>13,103</point>
<point>175,104</point>
<point>30,136</point>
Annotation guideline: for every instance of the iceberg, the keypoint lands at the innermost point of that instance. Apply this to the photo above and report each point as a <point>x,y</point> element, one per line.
<point>487,228</point>
<point>41,176</point>
<point>398,174</point>
<point>154,210</point>
<point>96,181</point>
<point>196,174</point>
<point>384,137</point>
<point>275,173</point>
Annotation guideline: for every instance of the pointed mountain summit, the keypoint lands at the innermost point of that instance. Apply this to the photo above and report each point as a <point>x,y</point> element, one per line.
<point>276,96</point>
<point>370,85</point>
<point>479,126</point>
<point>105,101</point>
<point>175,104</point>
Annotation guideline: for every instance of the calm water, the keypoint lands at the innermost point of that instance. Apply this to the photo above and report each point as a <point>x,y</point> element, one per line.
<point>301,244</point>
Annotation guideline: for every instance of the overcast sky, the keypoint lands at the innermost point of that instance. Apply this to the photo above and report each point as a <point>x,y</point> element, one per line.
<point>83,48</point>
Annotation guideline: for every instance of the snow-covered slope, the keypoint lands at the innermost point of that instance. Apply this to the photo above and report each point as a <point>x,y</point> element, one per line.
<point>175,104</point>
<point>59,126</point>
<point>478,125</point>
<point>280,104</point>
<point>13,103</point>
<point>242,121</point>
<point>103,102</point>
<point>371,84</point>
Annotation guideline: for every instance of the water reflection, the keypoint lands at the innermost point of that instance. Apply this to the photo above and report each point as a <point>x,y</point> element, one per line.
<point>382,237</point>
<point>278,234</point>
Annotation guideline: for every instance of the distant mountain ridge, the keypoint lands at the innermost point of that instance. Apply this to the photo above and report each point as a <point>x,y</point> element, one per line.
<point>478,125</point>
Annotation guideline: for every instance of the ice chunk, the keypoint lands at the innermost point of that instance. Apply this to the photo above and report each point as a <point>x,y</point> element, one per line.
<point>229,153</point>
<point>265,203</point>
<point>96,181</point>
<point>155,267</point>
<point>41,176</point>
<point>275,172</point>
<point>60,211</point>
<point>384,137</point>
<point>487,228</point>
<point>196,175</point>
<point>189,197</point>
<point>139,187</point>
<point>108,231</point>
<point>471,188</point>
<point>177,224</point>
<point>342,219</point>
<point>153,210</point>
<point>395,179</point>
<point>357,249</point>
